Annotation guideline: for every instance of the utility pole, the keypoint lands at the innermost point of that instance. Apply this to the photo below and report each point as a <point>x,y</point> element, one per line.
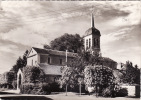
<point>66,66</point>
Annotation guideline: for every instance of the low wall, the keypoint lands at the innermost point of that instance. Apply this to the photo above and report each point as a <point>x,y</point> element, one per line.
<point>133,90</point>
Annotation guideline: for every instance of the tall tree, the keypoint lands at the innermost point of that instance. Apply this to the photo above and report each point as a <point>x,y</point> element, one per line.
<point>131,74</point>
<point>98,76</point>
<point>74,43</point>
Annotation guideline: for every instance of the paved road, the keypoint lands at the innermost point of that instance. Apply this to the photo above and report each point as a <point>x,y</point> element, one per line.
<point>61,96</point>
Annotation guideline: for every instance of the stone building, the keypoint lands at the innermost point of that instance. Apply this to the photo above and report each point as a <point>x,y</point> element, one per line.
<point>51,61</point>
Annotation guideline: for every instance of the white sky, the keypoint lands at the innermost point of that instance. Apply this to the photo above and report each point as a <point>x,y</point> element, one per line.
<point>24,24</point>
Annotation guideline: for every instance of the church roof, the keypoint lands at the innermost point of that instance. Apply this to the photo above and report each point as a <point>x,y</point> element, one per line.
<point>54,52</point>
<point>93,31</point>
<point>107,59</point>
<point>51,69</point>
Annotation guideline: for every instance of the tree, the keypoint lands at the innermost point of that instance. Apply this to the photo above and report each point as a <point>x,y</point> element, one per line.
<point>10,77</point>
<point>75,70</point>
<point>21,62</point>
<point>35,73</point>
<point>46,46</point>
<point>74,43</point>
<point>99,77</point>
<point>131,74</point>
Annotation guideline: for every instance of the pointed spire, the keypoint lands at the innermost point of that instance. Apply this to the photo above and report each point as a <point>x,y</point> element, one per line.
<point>92,20</point>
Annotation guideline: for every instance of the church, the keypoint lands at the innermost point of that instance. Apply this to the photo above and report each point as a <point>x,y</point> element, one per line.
<point>51,61</point>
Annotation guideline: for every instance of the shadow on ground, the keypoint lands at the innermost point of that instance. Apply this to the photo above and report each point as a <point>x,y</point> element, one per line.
<point>25,98</point>
<point>1,93</point>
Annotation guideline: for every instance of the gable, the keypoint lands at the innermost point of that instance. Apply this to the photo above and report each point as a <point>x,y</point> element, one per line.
<point>31,53</point>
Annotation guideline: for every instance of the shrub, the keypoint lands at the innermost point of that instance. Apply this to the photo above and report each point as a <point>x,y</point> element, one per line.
<point>40,89</point>
<point>122,92</point>
<point>45,88</point>
<point>27,88</point>
<point>108,92</point>
<point>54,87</point>
<point>6,85</point>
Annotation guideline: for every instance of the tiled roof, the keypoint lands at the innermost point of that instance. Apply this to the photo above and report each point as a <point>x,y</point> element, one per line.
<point>54,52</point>
<point>107,59</point>
<point>51,69</point>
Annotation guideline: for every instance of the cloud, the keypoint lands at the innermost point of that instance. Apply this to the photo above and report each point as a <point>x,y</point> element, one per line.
<point>24,36</point>
<point>33,23</point>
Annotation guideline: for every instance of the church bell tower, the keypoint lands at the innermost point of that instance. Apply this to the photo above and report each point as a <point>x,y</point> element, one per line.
<point>92,39</point>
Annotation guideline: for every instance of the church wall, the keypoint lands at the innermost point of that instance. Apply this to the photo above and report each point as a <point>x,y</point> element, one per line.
<point>85,41</point>
<point>54,59</point>
<point>97,46</point>
<point>32,58</point>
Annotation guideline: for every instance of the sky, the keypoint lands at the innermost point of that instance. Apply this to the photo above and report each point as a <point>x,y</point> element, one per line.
<point>26,24</point>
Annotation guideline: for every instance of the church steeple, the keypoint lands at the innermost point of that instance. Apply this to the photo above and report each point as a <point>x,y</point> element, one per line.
<point>92,20</point>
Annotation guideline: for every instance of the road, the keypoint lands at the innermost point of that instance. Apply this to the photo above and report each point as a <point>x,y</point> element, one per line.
<point>60,96</point>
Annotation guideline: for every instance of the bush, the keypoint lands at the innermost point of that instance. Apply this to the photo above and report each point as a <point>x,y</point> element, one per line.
<point>54,87</point>
<point>6,85</point>
<point>121,92</point>
<point>45,88</point>
<point>40,89</point>
<point>108,92</point>
<point>27,88</point>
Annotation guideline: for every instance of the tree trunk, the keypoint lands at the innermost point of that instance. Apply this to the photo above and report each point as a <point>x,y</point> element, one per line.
<point>66,89</point>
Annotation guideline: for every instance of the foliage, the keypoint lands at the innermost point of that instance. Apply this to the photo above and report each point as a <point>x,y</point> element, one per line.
<point>40,89</point>
<point>55,87</point>
<point>10,77</point>
<point>122,92</point>
<point>108,92</point>
<point>46,88</point>
<point>21,62</point>
<point>73,43</point>
<point>35,72</point>
<point>75,69</point>
<point>131,74</point>
<point>46,46</point>
<point>98,76</point>
<point>6,85</point>
<point>27,88</point>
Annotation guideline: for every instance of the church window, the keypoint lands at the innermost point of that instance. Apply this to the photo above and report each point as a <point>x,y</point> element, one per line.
<point>89,43</point>
<point>48,60</point>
